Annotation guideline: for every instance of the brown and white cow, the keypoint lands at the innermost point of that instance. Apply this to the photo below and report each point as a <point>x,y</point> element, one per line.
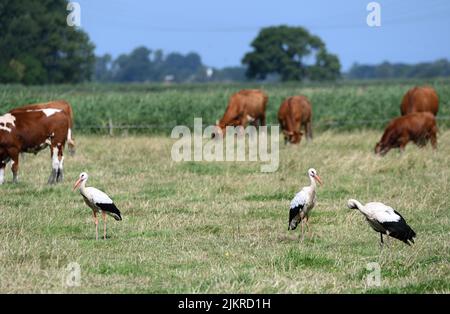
<point>245,106</point>
<point>25,131</point>
<point>419,127</point>
<point>420,99</point>
<point>54,106</point>
<point>295,112</point>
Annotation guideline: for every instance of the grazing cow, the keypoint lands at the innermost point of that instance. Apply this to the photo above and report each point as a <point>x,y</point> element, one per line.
<point>30,132</point>
<point>247,105</point>
<point>50,107</point>
<point>418,127</point>
<point>294,113</point>
<point>420,99</point>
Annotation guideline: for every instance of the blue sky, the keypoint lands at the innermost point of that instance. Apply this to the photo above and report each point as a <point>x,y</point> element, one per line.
<point>221,31</point>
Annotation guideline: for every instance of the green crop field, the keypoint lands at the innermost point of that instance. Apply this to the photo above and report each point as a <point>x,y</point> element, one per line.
<point>158,108</point>
<point>216,227</point>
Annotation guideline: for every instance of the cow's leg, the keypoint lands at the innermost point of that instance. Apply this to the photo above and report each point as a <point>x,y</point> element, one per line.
<point>243,121</point>
<point>308,131</point>
<point>433,140</point>
<point>14,164</point>
<point>60,173</point>
<point>55,164</point>
<point>262,119</point>
<point>56,153</point>
<point>2,172</point>
<point>283,131</point>
<point>402,143</point>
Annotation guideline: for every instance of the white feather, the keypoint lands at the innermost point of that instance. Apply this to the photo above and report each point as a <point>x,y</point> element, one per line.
<point>97,196</point>
<point>380,212</point>
<point>299,199</point>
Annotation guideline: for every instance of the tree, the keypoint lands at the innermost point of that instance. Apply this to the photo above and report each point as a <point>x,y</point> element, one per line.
<point>326,68</point>
<point>38,47</point>
<point>183,67</point>
<point>286,51</point>
<point>102,70</point>
<point>143,64</point>
<point>236,74</point>
<point>134,67</point>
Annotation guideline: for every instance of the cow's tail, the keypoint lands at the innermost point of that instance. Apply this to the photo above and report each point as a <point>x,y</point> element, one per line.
<point>70,139</point>
<point>70,142</point>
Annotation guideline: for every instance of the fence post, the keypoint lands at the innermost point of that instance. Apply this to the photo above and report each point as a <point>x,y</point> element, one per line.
<point>110,127</point>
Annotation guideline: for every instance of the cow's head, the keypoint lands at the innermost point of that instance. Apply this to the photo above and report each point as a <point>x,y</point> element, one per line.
<point>293,137</point>
<point>381,149</point>
<point>219,130</point>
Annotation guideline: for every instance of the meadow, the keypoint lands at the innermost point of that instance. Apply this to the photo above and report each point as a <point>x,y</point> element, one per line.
<point>216,227</point>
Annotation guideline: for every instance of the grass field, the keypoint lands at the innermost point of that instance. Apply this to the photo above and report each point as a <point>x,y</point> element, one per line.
<point>222,227</point>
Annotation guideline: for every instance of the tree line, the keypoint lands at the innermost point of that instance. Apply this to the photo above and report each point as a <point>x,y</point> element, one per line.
<point>386,70</point>
<point>145,65</point>
<point>279,53</point>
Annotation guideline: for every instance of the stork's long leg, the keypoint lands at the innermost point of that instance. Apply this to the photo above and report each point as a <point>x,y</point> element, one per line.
<point>388,243</point>
<point>308,226</point>
<point>104,225</point>
<point>96,224</point>
<point>302,222</point>
<point>381,240</point>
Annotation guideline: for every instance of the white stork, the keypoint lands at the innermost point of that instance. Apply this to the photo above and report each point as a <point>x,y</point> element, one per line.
<point>303,203</point>
<point>385,220</point>
<point>98,201</point>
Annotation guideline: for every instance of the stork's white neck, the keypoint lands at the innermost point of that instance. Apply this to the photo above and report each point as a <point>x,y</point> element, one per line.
<point>313,182</point>
<point>360,206</point>
<point>83,187</point>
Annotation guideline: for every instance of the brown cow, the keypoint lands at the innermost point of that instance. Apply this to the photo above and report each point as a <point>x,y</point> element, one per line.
<point>247,105</point>
<point>420,99</point>
<point>294,113</point>
<point>54,105</point>
<point>419,127</point>
<point>30,132</point>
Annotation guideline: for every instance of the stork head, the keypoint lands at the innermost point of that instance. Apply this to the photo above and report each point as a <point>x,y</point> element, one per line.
<point>82,178</point>
<point>312,173</point>
<point>352,204</point>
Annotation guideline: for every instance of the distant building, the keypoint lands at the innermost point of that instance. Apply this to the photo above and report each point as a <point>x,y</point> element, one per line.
<point>209,72</point>
<point>169,78</point>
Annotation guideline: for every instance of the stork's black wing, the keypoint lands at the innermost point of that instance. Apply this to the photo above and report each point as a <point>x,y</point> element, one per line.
<point>110,209</point>
<point>400,230</point>
<point>297,204</point>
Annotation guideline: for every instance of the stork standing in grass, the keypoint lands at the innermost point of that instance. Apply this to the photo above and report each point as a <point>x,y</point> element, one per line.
<point>98,201</point>
<point>385,220</point>
<point>303,203</point>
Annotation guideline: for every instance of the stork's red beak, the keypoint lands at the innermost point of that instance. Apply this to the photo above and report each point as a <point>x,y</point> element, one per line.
<point>317,178</point>
<point>77,184</point>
